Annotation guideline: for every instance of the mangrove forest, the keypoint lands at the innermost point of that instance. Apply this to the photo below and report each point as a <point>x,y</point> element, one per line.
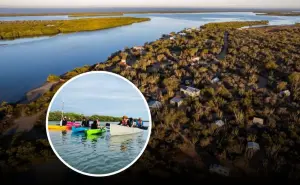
<point>20,29</point>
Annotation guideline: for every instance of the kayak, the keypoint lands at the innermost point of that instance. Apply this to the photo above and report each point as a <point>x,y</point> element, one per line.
<point>70,123</point>
<point>73,125</point>
<point>118,130</point>
<point>57,127</point>
<point>94,131</point>
<point>79,129</point>
<point>92,137</point>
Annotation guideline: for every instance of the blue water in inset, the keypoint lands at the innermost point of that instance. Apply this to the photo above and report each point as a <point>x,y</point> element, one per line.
<point>97,154</point>
<point>26,63</point>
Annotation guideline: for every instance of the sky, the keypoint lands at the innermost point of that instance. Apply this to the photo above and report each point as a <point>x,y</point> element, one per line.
<point>101,94</point>
<point>154,3</point>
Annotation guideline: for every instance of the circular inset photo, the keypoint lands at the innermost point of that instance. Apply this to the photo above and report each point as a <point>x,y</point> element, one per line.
<point>98,123</point>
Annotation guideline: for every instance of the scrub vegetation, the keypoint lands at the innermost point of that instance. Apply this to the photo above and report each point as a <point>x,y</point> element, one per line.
<point>19,29</point>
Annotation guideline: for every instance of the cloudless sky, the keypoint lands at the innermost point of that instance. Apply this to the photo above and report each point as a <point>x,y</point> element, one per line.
<point>101,94</point>
<point>154,3</point>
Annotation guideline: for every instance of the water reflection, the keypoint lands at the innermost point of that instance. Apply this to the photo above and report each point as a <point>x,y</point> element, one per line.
<point>79,150</point>
<point>64,136</point>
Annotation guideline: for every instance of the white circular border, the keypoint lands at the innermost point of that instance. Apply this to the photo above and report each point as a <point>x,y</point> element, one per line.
<point>130,164</point>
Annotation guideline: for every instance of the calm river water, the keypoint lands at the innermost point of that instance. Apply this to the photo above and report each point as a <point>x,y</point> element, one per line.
<point>26,63</point>
<point>100,154</point>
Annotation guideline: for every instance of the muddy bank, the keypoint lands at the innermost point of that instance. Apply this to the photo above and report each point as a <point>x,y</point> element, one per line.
<point>34,94</point>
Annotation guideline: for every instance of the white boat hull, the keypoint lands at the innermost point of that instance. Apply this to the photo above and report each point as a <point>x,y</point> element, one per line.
<point>118,130</point>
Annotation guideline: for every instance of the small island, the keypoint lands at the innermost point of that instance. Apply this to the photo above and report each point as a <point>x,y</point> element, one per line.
<point>21,29</point>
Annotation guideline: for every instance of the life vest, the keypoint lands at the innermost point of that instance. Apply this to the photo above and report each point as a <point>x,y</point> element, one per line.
<point>124,123</point>
<point>139,123</point>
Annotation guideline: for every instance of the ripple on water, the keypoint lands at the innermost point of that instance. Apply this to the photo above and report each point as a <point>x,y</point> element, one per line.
<point>98,154</point>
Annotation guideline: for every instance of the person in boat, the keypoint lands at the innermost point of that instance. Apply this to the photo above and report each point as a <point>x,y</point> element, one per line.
<point>94,125</point>
<point>88,121</point>
<point>64,121</point>
<point>124,121</point>
<point>130,122</point>
<point>85,123</point>
<point>139,123</point>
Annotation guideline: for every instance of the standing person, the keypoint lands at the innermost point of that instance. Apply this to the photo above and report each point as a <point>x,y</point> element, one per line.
<point>88,122</point>
<point>124,121</point>
<point>64,121</point>
<point>139,123</point>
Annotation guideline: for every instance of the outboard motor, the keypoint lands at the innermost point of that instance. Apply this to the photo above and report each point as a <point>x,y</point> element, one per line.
<point>107,125</point>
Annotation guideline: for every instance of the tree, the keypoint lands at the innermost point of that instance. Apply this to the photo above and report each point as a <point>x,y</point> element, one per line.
<point>161,57</point>
<point>53,78</point>
<point>115,59</point>
<point>193,51</point>
<point>281,86</point>
<point>244,49</point>
<point>171,83</point>
<point>271,65</point>
<point>294,80</point>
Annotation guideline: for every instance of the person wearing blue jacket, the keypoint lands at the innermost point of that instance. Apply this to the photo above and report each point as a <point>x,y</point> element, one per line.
<point>139,123</point>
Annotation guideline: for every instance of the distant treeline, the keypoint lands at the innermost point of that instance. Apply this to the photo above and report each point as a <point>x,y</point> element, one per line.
<point>233,24</point>
<point>19,29</point>
<point>279,13</point>
<point>56,116</point>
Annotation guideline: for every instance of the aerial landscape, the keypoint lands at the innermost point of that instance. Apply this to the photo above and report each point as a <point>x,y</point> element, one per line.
<point>223,86</point>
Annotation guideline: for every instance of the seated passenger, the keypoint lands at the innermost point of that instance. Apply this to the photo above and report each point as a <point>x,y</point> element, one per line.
<point>124,121</point>
<point>94,125</point>
<point>85,123</point>
<point>139,123</point>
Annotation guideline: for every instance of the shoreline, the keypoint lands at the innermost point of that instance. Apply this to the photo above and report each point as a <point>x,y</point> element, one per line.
<point>35,93</point>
